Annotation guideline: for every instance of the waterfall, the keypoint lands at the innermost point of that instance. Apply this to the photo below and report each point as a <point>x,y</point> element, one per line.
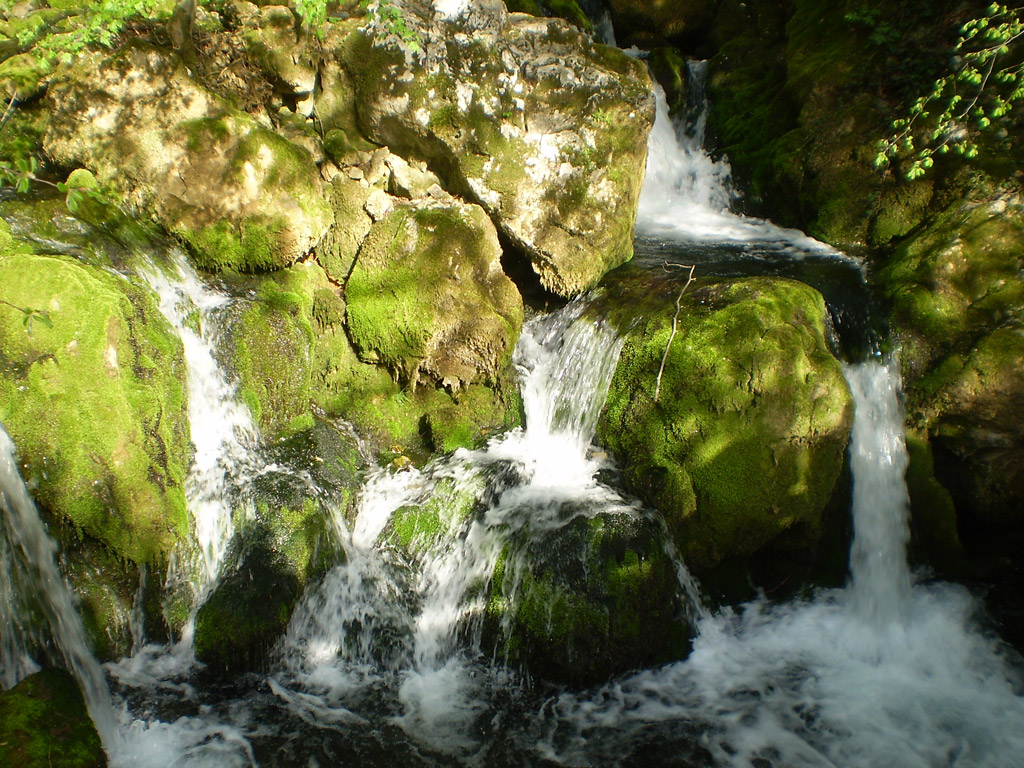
<point>222,431</point>
<point>688,195</point>
<point>374,621</point>
<point>880,673</point>
<point>25,546</point>
<point>880,579</point>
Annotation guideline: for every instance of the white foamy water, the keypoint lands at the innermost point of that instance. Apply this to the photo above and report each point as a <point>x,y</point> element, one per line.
<point>28,548</point>
<point>688,195</point>
<point>880,673</point>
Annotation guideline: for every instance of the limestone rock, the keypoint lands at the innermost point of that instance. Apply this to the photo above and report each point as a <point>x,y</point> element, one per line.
<point>529,118</point>
<point>427,297</point>
<point>242,196</point>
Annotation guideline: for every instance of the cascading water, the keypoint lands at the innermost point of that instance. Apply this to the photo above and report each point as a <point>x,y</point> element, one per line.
<point>688,195</point>
<point>26,547</point>
<point>374,624</point>
<point>222,431</point>
<point>879,673</point>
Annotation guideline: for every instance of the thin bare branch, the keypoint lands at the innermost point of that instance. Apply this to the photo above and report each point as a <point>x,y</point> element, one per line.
<point>675,321</point>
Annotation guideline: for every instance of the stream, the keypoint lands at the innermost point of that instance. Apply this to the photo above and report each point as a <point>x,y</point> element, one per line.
<point>384,661</point>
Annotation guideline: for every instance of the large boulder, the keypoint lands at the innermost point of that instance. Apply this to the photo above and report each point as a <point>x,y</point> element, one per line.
<point>595,596</point>
<point>93,395</point>
<point>750,389</point>
<point>529,118</point>
<point>242,195</point>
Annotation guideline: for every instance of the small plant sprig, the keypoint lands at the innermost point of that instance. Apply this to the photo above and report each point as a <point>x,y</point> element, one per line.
<point>22,173</point>
<point>675,319</point>
<point>393,21</point>
<point>982,88</point>
<point>31,316</point>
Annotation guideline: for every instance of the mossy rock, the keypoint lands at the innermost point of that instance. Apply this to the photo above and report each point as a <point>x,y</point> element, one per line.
<point>565,9</point>
<point>424,527</point>
<point>287,544</point>
<point>553,153</point>
<point>94,398</point>
<point>427,297</point>
<point>292,356</point>
<point>951,282</point>
<point>242,196</point>
<point>588,599</point>
<point>44,724</point>
<point>750,389</point>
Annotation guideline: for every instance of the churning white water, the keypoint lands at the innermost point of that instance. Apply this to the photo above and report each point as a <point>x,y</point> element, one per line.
<point>29,560</point>
<point>880,673</point>
<point>380,622</point>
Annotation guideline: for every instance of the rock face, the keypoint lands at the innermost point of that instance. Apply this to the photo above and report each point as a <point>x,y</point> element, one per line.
<point>957,299</point>
<point>243,196</point>
<point>529,118</point>
<point>750,390</point>
<point>95,401</point>
<point>427,297</point>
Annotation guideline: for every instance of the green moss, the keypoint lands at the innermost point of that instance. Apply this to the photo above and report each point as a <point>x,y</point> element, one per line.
<point>44,724</point>
<point>750,389</point>
<point>422,526</point>
<point>933,515</point>
<point>96,403</point>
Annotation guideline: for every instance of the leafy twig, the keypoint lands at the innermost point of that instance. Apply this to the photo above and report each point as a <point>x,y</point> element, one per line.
<point>31,315</point>
<point>675,320</point>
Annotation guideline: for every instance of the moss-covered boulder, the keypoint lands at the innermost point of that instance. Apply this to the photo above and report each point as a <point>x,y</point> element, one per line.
<point>427,297</point>
<point>294,359</point>
<point>44,724</point>
<point>289,541</point>
<point>93,395</point>
<point>593,597</point>
<point>750,390</point>
<point>241,195</point>
<point>529,118</point>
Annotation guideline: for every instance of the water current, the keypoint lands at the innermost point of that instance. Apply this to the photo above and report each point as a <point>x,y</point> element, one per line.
<point>384,661</point>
